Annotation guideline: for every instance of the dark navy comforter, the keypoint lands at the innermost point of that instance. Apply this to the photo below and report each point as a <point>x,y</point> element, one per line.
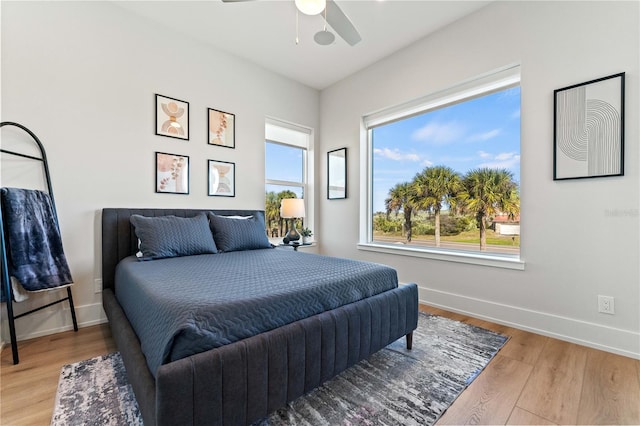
<point>185,305</point>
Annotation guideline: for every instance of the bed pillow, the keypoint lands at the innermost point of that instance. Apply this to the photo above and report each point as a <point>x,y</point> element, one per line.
<point>172,236</point>
<point>232,234</point>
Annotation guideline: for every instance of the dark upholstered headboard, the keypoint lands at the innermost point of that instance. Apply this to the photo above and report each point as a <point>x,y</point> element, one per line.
<point>119,239</point>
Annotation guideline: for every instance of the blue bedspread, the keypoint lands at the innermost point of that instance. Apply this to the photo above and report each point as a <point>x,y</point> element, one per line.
<point>185,305</point>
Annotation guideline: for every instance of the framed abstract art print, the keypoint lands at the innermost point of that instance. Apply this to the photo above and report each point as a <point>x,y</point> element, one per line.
<point>222,178</point>
<point>172,117</point>
<point>172,173</point>
<point>221,129</point>
<point>589,129</point>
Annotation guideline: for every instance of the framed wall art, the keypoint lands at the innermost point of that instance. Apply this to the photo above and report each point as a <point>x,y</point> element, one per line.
<point>589,129</point>
<point>337,174</point>
<point>172,117</point>
<point>221,129</point>
<point>172,173</point>
<point>222,178</point>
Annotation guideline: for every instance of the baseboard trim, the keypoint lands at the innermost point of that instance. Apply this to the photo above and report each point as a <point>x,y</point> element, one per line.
<point>86,315</point>
<point>597,336</point>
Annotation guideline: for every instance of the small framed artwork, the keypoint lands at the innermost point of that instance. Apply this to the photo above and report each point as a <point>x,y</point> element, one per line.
<point>222,178</point>
<point>172,117</point>
<point>337,174</point>
<point>221,129</point>
<point>172,173</point>
<point>589,129</point>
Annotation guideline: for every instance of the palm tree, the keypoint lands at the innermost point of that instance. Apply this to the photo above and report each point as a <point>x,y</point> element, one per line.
<point>487,192</point>
<point>272,209</point>
<point>400,197</point>
<point>433,187</point>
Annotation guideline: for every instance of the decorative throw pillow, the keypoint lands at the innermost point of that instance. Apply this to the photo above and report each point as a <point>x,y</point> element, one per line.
<point>232,234</point>
<point>172,236</point>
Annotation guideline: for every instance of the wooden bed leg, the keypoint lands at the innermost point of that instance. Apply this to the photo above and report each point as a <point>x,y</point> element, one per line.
<point>410,340</point>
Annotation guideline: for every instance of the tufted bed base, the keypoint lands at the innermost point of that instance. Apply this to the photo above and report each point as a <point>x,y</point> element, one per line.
<point>242,382</point>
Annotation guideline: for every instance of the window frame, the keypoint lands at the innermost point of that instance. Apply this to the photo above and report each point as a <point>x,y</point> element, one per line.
<point>307,184</point>
<point>485,84</point>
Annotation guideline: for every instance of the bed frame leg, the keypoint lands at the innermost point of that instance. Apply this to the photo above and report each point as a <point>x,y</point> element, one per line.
<point>410,340</point>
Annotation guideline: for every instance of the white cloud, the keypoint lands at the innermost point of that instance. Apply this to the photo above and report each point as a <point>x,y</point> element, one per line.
<point>504,160</point>
<point>515,114</point>
<point>396,154</point>
<point>483,154</point>
<point>505,156</point>
<point>438,133</point>
<point>484,136</point>
<point>427,163</point>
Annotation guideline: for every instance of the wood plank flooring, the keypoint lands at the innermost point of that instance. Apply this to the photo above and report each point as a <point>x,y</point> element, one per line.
<point>28,390</point>
<point>533,380</point>
<point>539,380</point>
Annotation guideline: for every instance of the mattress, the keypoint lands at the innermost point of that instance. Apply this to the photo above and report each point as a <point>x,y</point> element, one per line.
<point>186,305</point>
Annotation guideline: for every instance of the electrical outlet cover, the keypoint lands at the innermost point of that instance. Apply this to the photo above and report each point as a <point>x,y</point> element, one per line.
<point>606,304</point>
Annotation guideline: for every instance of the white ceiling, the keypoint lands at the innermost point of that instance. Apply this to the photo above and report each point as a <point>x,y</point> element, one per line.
<point>264,31</point>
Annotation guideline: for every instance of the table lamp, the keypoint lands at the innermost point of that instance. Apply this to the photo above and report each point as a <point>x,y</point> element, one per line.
<point>292,208</point>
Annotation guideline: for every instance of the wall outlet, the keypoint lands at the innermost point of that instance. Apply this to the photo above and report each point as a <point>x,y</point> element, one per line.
<point>605,305</point>
<point>97,285</point>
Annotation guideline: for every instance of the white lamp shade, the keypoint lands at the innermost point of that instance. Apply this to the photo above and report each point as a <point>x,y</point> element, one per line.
<point>311,7</point>
<point>292,208</point>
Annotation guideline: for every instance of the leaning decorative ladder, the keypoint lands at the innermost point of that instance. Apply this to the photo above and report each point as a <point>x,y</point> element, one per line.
<point>6,282</point>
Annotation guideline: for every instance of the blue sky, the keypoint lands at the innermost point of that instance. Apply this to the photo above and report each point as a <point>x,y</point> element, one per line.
<point>283,163</point>
<point>483,132</point>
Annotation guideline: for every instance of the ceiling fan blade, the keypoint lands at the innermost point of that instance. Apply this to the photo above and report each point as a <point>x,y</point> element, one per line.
<point>341,24</point>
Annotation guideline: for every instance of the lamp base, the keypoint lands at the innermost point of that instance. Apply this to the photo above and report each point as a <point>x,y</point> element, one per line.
<point>292,235</point>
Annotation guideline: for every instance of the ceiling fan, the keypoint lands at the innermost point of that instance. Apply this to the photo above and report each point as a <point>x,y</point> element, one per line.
<point>333,15</point>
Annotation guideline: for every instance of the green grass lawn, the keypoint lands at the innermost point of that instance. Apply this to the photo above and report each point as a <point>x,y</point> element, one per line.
<point>471,237</point>
<point>492,238</point>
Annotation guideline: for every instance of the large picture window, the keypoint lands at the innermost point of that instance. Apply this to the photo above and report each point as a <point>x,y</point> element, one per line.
<point>445,171</point>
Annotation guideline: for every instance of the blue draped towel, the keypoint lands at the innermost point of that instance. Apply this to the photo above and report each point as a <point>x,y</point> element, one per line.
<point>34,246</point>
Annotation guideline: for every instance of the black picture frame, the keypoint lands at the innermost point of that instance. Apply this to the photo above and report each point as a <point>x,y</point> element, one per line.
<point>224,134</point>
<point>172,117</point>
<point>172,173</point>
<point>337,174</point>
<point>221,177</point>
<point>588,129</point>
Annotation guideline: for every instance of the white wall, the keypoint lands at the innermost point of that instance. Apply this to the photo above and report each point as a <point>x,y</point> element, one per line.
<point>82,76</point>
<point>579,238</point>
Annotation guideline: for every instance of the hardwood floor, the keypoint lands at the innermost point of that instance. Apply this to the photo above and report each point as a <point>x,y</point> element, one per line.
<point>533,380</point>
<point>539,380</point>
<point>28,390</point>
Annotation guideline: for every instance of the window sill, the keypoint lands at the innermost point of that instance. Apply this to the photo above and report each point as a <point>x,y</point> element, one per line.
<point>482,259</point>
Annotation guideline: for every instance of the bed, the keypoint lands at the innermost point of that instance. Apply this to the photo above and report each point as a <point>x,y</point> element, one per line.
<point>242,380</point>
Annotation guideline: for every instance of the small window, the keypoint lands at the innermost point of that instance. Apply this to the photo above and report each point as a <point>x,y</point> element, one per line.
<point>286,171</point>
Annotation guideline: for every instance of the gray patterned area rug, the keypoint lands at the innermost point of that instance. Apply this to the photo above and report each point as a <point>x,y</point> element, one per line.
<point>393,387</point>
<point>95,392</point>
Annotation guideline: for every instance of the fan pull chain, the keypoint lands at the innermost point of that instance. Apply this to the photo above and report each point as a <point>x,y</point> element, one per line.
<point>325,18</point>
<point>297,39</point>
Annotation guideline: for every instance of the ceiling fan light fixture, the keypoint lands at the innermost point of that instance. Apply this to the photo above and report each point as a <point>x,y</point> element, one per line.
<point>311,7</point>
